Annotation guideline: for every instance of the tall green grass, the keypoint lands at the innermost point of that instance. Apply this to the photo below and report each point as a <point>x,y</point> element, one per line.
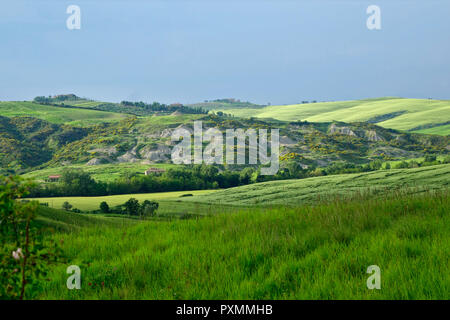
<point>310,252</point>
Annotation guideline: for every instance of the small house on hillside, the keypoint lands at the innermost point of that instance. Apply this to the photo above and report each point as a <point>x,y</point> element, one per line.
<point>54,178</point>
<point>153,171</point>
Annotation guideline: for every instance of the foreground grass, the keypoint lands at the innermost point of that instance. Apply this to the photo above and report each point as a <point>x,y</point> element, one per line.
<point>313,252</point>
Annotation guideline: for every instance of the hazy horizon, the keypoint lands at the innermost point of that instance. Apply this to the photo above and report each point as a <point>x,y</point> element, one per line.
<point>278,52</point>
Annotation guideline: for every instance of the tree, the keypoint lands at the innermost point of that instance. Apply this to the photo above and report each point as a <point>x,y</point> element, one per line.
<point>132,207</point>
<point>430,158</point>
<point>66,206</point>
<point>104,207</point>
<point>78,182</point>
<point>401,165</point>
<point>148,208</point>
<point>245,175</point>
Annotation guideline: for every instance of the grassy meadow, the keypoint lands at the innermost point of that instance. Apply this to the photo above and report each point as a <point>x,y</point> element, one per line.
<point>59,115</point>
<point>169,201</point>
<point>308,252</point>
<point>101,172</point>
<point>412,113</point>
<point>440,130</point>
<point>311,190</point>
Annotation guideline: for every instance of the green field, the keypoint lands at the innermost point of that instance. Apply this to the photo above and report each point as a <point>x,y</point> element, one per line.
<point>310,252</point>
<point>59,115</point>
<point>307,191</point>
<point>92,203</point>
<point>417,112</point>
<point>83,103</point>
<point>440,130</point>
<point>274,193</point>
<point>101,172</point>
<point>63,221</point>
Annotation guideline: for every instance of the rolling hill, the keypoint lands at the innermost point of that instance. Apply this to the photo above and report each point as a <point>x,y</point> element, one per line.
<point>57,115</point>
<point>147,140</point>
<point>64,221</point>
<point>312,190</point>
<point>225,104</point>
<point>426,116</point>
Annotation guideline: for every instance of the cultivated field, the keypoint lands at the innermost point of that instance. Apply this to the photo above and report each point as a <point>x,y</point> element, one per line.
<point>395,113</point>
<point>93,203</point>
<point>312,190</point>
<point>101,172</point>
<point>288,193</point>
<point>78,117</point>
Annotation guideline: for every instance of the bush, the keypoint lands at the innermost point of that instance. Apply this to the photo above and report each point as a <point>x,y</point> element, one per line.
<point>401,165</point>
<point>148,208</point>
<point>24,256</point>
<point>104,207</point>
<point>132,207</point>
<point>67,206</point>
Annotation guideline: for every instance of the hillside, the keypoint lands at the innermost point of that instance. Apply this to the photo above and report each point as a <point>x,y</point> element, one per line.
<point>100,172</point>
<point>224,104</point>
<point>147,140</point>
<point>74,102</point>
<point>313,190</point>
<point>28,142</point>
<point>63,221</point>
<point>57,115</point>
<point>395,113</point>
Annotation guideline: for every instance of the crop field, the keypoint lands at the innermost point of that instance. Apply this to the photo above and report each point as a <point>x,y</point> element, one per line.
<point>312,190</point>
<point>63,221</point>
<point>57,115</point>
<point>83,103</point>
<point>440,130</point>
<point>92,203</point>
<point>309,252</point>
<point>288,193</point>
<point>395,113</point>
<point>101,172</point>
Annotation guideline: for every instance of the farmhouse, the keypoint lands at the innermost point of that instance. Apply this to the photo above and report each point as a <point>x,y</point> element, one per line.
<point>154,170</point>
<point>53,178</point>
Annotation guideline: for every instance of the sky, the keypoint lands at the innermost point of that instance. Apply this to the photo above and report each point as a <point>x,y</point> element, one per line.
<point>277,52</point>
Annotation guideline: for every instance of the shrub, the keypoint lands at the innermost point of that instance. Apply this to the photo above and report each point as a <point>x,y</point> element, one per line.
<point>430,158</point>
<point>148,208</point>
<point>24,257</point>
<point>67,206</point>
<point>132,207</point>
<point>104,207</point>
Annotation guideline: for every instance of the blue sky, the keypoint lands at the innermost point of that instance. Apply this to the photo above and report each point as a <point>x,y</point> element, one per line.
<point>188,51</point>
